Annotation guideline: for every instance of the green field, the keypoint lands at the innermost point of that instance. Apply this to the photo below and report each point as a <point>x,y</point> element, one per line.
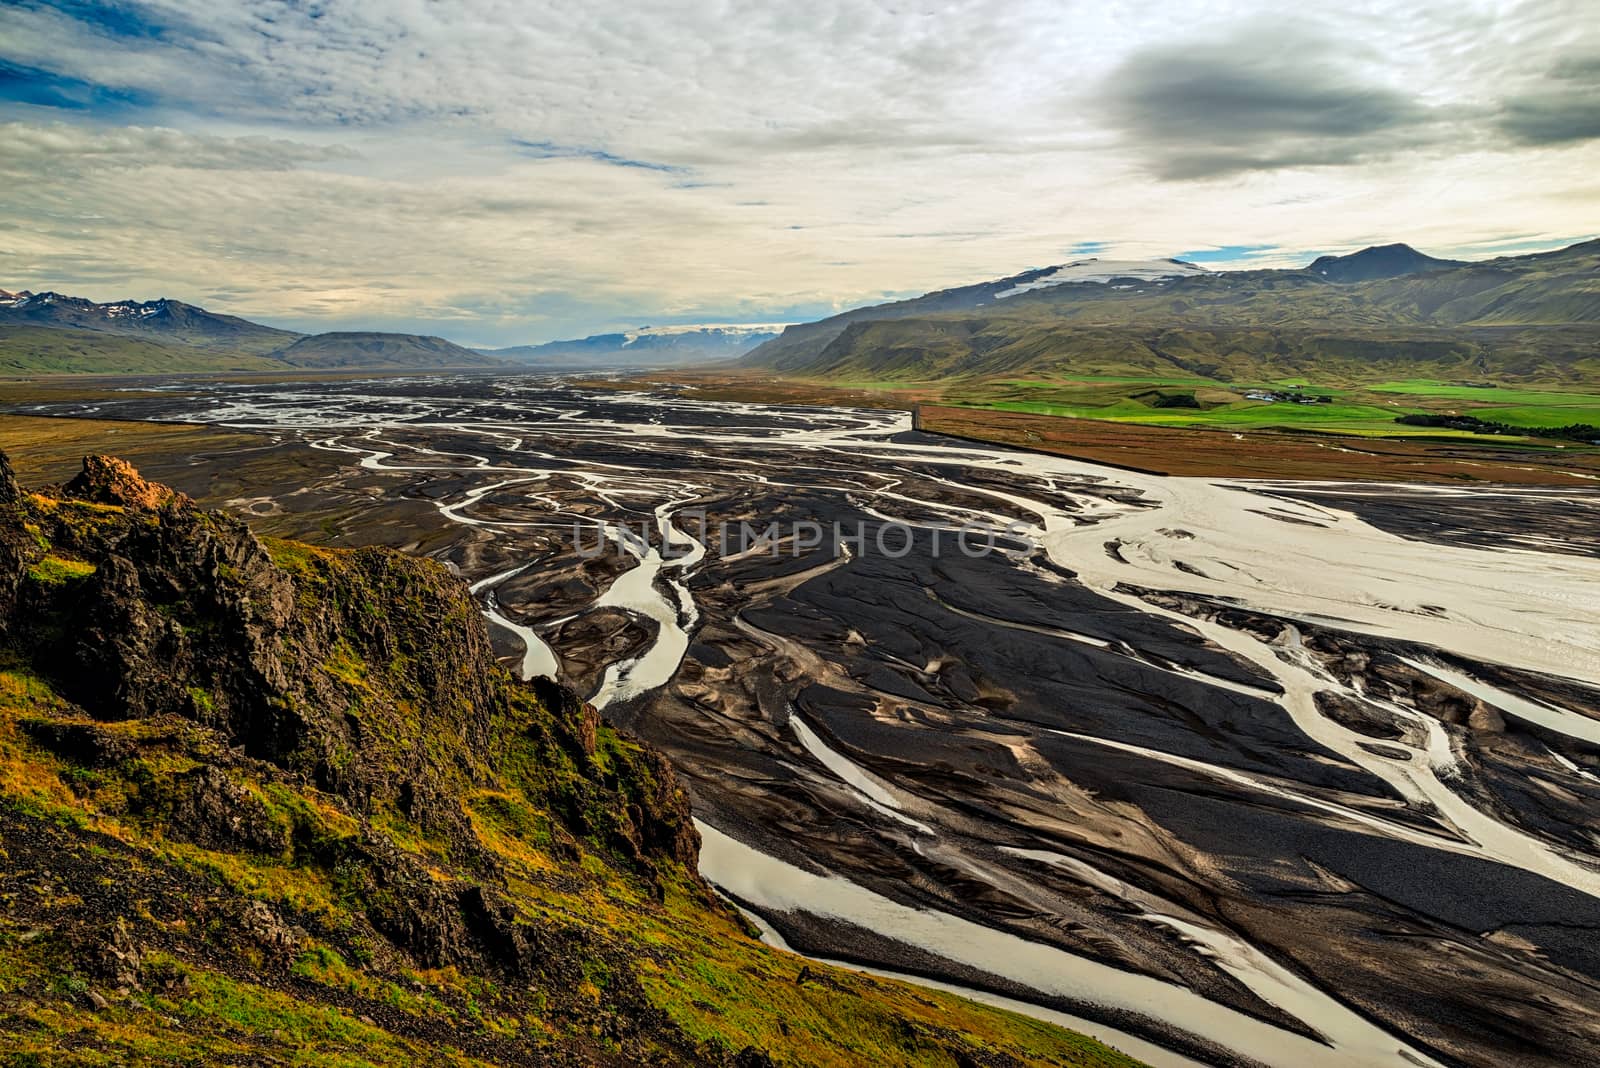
<point>1364,410</point>
<point>1536,416</point>
<point>1487,394</point>
<point>1247,415</point>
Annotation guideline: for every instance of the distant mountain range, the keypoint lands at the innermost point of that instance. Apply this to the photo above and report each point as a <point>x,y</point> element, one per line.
<point>1386,311</point>
<point>1378,261</point>
<point>54,332</point>
<point>648,345</point>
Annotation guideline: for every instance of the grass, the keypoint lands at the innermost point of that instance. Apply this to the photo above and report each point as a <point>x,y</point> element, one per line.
<point>1239,415</point>
<point>218,1019</point>
<point>1539,416</point>
<point>740,992</point>
<point>1363,411</point>
<point>47,350</point>
<point>1487,394</point>
<point>43,449</point>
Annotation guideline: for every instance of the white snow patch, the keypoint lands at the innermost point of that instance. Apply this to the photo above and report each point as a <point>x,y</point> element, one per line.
<point>1098,270</point>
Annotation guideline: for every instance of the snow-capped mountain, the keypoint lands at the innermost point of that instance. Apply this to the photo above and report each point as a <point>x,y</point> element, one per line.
<point>171,319</point>
<point>677,344</point>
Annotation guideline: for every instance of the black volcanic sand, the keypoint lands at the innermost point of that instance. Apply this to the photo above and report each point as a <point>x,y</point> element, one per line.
<point>1499,517</point>
<point>956,681</point>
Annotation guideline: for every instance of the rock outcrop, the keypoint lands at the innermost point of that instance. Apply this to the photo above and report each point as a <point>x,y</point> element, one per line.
<point>108,480</point>
<point>367,671</point>
<point>292,705</point>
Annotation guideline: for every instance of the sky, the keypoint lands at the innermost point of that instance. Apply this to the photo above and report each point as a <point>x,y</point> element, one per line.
<point>511,171</point>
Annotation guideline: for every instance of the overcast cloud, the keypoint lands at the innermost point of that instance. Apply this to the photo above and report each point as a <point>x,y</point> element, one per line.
<point>503,171</point>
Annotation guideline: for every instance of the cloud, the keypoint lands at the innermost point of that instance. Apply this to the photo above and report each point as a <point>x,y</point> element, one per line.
<point>1263,98</point>
<point>1564,109</point>
<point>505,170</point>
<point>37,150</point>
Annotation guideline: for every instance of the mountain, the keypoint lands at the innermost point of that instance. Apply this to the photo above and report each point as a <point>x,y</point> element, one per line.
<point>55,333</point>
<point>264,803</point>
<point>161,319</point>
<point>644,346</point>
<point>1378,261</point>
<point>1531,317</point>
<point>800,344</point>
<point>359,349</point>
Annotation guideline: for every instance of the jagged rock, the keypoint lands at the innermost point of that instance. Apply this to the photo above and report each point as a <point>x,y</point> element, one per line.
<point>192,613</point>
<point>90,744</point>
<point>266,929</point>
<point>211,810</point>
<point>662,820</point>
<point>16,546</point>
<point>277,699</point>
<point>493,923</point>
<point>108,480</point>
<point>10,492</point>
<point>115,957</point>
<point>413,911</point>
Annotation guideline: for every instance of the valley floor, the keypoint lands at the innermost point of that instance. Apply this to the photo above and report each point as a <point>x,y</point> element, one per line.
<point>1222,770</point>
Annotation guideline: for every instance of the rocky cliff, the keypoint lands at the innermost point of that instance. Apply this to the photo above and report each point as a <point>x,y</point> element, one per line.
<point>267,803</point>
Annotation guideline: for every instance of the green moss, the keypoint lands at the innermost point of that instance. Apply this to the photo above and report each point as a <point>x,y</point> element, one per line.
<point>58,571</point>
<point>346,665</point>
<point>299,559</point>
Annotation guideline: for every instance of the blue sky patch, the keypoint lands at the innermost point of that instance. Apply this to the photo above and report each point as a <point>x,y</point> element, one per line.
<point>552,150</point>
<point>114,20</point>
<point>1225,253</point>
<point>41,88</point>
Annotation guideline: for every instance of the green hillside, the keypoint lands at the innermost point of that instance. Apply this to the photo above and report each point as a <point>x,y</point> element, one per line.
<point>963,346</point>
<point>1526,319</point>
<point>50,350</point>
